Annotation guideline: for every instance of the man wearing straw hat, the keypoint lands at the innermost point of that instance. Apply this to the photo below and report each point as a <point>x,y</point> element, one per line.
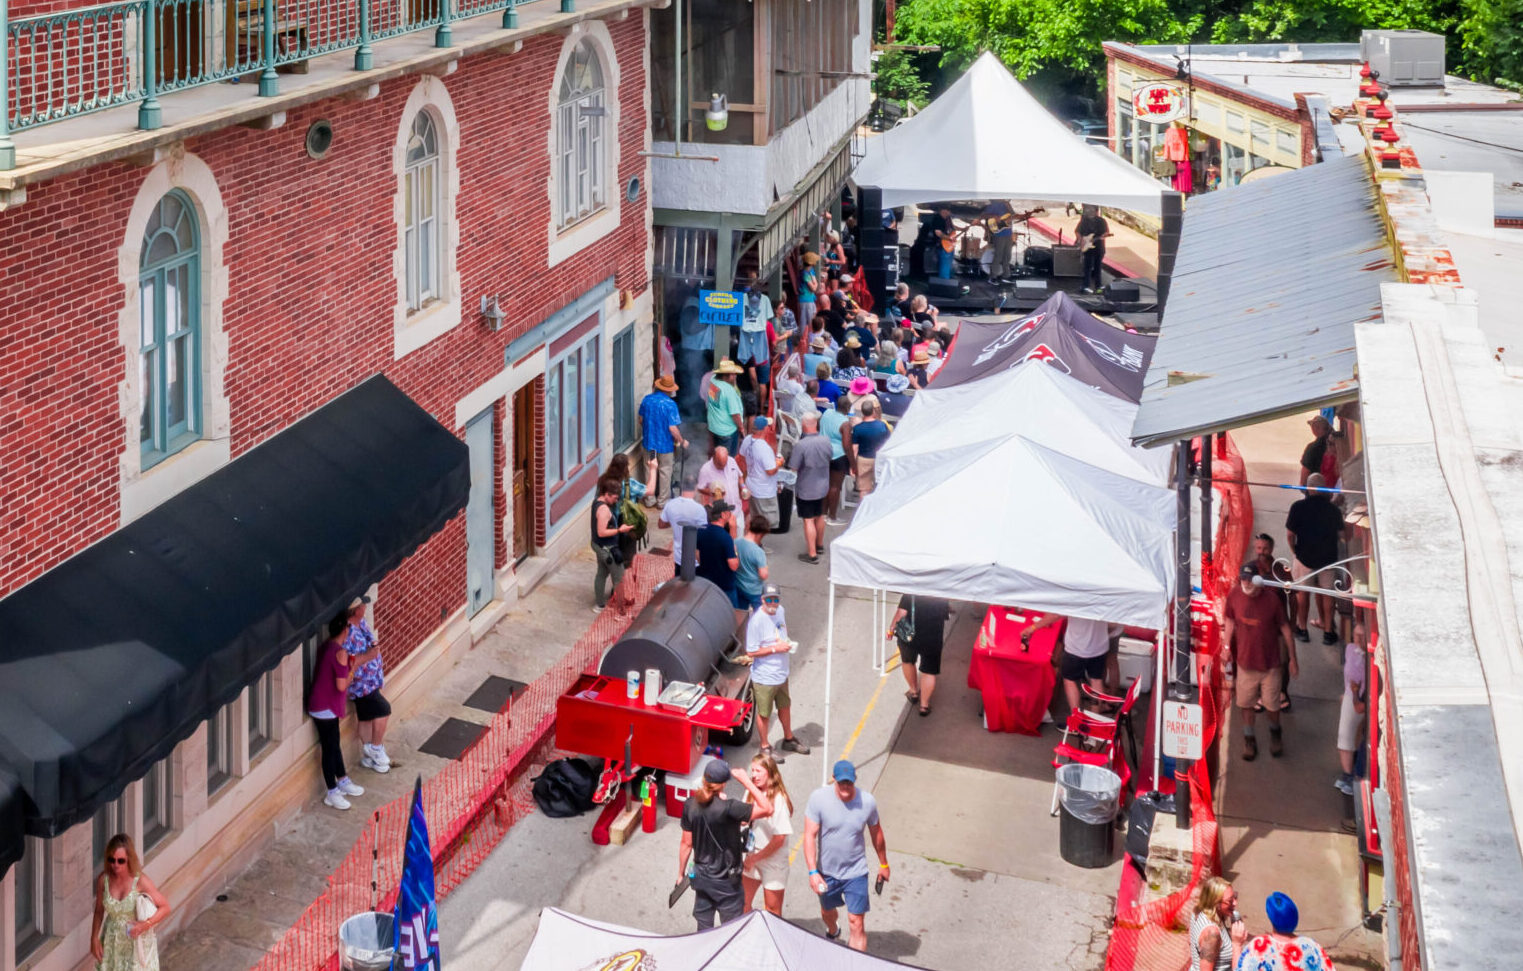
<point>660,435</point>
<point>724,406</point>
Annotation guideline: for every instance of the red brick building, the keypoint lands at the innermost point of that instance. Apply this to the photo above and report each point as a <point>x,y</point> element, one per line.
<point>470,221</point>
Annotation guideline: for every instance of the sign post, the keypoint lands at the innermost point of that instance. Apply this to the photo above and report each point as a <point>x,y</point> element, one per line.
<point>1184,741</point>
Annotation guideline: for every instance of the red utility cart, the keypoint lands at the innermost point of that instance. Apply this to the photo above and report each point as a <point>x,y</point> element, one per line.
<point>597,717</point>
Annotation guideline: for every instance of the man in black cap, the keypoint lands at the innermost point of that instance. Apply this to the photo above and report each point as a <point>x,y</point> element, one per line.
<point>711,838</point>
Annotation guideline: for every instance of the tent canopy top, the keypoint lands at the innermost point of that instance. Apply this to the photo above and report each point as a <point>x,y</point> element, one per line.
<point>986,137</point>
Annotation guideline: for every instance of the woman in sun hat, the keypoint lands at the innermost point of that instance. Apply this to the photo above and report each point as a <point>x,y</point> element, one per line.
<point>809,289</point>
<point>918,375</point>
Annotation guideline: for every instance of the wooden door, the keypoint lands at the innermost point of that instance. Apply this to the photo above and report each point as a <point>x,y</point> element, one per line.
<point>178,36</point>
<point>523,472</point>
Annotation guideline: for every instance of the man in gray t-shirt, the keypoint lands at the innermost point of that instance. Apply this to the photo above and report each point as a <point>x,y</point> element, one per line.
<point>811,460</point>
<point>836,852</point>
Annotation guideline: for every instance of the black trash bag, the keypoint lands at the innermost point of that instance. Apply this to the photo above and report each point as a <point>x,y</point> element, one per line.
<point>565,788</point>
<point>1139,824</point>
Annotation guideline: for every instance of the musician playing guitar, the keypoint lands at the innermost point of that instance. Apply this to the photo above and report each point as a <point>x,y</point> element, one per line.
<point>946,233</point>
<point>1092,232</point>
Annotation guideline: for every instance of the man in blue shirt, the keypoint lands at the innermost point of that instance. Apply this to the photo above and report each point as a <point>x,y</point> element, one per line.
<point>660,434</point>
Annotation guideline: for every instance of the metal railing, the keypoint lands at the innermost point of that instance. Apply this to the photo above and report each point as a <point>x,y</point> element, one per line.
<point>69,63</point>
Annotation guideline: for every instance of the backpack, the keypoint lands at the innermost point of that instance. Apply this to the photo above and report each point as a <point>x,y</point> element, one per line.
<point>565,788</point>
<point>632,513</point>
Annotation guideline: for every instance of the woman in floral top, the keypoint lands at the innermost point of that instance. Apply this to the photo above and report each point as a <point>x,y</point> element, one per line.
<point>1282,949</point>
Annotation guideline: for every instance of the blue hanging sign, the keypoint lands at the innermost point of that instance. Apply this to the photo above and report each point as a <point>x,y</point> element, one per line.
<point>720,308</point>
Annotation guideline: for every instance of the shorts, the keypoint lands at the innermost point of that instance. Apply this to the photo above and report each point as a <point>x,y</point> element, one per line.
<point>767,506</point>
<point>741,600</point>
<point>1077,668</point>
<point>1348,725</point>
<point>1256,688</point>
<point>810,508</point>
<point>367,708</point>
<point>771,872</point>
<point>865,478</point>
<point>852,892</point>
<point>929,657</point>
<point>753,349</point>
<point>839,466</point>
<point>769,696</point>
<point>1301,573</point>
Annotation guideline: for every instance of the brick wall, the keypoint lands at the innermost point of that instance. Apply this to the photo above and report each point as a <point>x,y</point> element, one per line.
<point>1393,845</point>
<point>311,295</point>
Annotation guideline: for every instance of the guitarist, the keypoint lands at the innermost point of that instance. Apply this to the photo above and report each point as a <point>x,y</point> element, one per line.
<point>946,234</point>
<point>1092,232</point>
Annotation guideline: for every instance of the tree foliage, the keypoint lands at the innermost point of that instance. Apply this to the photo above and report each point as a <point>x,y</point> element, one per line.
<point>1056,43</point>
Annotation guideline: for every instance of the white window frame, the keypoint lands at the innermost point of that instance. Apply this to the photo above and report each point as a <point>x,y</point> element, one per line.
<point>141,489</point>
<point>37,859</point>
<point>567,237</point>
<point>567,423</point>
<point>421,225</point>
<point>160,780</point>
<point>259,709</point>
<point>415,327</point>
<point>221,758</point>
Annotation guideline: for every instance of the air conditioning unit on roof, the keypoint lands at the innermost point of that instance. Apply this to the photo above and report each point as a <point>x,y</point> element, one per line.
<point>1405,58</point>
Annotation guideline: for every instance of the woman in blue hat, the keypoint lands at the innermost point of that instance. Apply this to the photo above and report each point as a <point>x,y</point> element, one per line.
<point>1282,949</point>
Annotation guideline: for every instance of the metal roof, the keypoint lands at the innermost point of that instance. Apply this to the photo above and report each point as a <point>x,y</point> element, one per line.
<point>1271,278</point>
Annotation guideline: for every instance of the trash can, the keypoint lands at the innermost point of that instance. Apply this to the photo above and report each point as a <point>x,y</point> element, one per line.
<point>365,942</point>
<point>1087,814</point>
<point>784,509</point>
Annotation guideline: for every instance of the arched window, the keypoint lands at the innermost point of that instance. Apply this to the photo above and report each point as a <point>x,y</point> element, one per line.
<point>420,212</point>
<point>581,151</point>
<point>169,348</point>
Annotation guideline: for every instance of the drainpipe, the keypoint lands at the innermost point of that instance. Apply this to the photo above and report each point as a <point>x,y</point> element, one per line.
<point>1391,904</point>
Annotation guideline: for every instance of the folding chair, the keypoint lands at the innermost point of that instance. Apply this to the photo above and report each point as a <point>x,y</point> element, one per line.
<point>1096,737</point>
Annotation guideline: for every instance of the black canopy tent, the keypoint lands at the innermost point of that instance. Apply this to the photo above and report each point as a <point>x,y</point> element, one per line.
<point>112,658</point>
<point>1060,332</point>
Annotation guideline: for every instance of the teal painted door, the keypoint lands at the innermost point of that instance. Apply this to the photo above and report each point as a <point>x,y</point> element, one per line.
<point>479,521</point>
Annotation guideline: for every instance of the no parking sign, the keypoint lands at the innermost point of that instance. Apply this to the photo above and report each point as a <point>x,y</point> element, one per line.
<point>1183,731</point>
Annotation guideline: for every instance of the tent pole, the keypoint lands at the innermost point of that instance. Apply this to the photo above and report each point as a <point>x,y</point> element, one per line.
<point>830,644</point>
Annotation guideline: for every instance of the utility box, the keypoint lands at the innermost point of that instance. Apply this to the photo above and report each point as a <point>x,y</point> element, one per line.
<point>1405,58</point>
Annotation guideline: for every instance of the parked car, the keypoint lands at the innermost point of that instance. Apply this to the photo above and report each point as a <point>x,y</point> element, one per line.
<point>1090,129</point>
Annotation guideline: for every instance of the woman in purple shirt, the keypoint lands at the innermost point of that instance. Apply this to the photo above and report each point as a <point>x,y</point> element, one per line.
<point>326,704</point>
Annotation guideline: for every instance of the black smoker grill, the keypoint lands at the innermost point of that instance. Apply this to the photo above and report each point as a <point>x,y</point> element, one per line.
<point>687,632</point>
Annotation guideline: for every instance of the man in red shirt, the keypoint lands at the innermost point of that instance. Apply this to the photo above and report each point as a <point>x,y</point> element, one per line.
<point>1256,626</point>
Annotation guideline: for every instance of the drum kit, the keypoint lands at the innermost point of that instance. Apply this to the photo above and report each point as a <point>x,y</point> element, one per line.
<point>975,242</point>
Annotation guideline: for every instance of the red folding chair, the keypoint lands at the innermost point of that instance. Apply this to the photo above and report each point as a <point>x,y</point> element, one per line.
<point>1096,736</point>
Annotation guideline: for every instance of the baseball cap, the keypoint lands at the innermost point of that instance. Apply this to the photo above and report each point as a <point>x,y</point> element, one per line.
<point>844,771</point>
<point>717,771</point>
<point>1248,572</point>
<point>770,590</point>
<point>1282,913</point>
<point>358,601</point>
<point>762,423</point>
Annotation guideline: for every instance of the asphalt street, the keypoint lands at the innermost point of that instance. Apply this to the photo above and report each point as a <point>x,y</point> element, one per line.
<point>976,874</point>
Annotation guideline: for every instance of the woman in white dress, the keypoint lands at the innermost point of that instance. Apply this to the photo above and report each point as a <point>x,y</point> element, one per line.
<point>766,866</point>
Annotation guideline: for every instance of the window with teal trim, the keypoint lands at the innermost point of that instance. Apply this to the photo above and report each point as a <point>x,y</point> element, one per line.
<point>169,349</point>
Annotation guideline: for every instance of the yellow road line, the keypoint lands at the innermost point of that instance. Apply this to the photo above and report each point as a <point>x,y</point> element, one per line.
<point>855,734</point>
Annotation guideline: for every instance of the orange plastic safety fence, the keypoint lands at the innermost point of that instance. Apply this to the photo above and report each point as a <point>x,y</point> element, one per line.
<point>470,804</point>
<point>1151,934</point>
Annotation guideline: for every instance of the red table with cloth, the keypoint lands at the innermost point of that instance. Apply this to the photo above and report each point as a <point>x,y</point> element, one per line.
<point>1016,682</point>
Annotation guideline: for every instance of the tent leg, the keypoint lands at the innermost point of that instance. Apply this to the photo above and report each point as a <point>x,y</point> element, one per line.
<point>830,645</point>
<point>1158,696</point>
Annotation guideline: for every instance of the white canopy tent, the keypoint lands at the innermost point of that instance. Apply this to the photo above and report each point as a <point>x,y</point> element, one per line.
<point>986,137</point>
<point>758,941</point>
<point>1035,401</point>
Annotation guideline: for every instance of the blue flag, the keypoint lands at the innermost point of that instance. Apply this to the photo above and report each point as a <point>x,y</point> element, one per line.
<point>417,924</point>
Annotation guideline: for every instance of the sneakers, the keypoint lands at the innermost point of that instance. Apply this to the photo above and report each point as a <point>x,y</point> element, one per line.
<point>1329,638</point>
<point>375,759</point>
<point>348,787</point>
<point>1302,635</point>
<point>793,745</point>
<point>1345,785</point>
<point>835,522</point>
<point>336,799</point>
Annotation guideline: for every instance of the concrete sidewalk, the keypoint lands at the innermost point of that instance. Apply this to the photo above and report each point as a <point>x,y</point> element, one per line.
<point>1282,822</point>
<point>254,911</point>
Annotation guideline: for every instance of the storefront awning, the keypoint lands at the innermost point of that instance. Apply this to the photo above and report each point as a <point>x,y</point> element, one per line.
<point>1270,280</point>
<point>115,656</point>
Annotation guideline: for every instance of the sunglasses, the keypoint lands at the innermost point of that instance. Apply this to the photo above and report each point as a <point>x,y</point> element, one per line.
<point>771,600</point>
<point>118,860</point>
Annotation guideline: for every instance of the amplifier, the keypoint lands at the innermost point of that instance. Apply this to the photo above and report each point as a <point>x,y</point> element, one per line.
<point>1123,290</point>
<point>1031,289</point>
<point>937,287</point>
<point>1066,261</point>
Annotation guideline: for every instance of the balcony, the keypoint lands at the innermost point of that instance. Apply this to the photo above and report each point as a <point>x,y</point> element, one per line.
<point>69,79</point>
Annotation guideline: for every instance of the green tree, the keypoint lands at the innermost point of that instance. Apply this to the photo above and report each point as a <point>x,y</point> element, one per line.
<point>1492,35</point>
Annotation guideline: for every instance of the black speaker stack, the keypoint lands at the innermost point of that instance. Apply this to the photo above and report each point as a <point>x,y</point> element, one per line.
<point>877,248</point>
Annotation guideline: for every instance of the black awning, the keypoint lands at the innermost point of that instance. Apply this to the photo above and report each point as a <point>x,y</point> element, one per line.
<point>112,658</point>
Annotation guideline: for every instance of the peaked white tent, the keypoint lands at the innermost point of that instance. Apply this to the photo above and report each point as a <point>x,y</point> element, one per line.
<point>1037,402</point>
<point>1009,521</point>
<point>986,137</point>
<point>758,941</point>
